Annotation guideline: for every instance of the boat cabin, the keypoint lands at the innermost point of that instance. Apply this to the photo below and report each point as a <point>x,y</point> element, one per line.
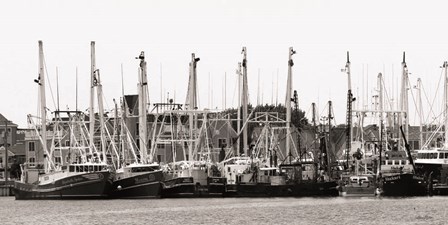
<point>81,168</point>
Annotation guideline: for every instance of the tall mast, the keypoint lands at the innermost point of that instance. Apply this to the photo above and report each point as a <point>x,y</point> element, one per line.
<point>239,73</point>
<point>245,100</point>
<point>192,100</point>
<point>142,109</point>
<point>101,114</point>
<point>93,82</point>
<point>445,109</point>
<point>404,107</point>
<point>381,109</point>
<point>420,109</point>
<point>348,141</point>
<point>328,142</point>
<point>43,106</point>
<point>288,101</point>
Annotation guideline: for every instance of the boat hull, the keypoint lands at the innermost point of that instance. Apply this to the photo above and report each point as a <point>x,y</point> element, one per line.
<point>286,190</point>
<point>404,185</point>
<point>216,186</point>
<point>178,187</point>
<point>146,185</point>
<point>357,191</point>
<point>80,186</point>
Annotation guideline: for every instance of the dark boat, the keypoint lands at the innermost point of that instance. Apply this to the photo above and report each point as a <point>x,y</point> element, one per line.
<point>137,181</point>
<point>398,177</point>
<point>80,181</point>
<point>405,184</point>
<point>303,180</point>
<point>178,187</point>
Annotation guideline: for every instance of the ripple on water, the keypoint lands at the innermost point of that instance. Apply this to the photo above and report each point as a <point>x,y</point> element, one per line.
<point>422,210</point>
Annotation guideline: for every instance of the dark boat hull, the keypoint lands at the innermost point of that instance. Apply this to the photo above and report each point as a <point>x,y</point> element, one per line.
<point>146,185</point>
<point>286,190</point>
<point>178,187</point>
<point>312,189</point>
<point>216,186</point>
<point>404,185</point>
<point>81,186</point>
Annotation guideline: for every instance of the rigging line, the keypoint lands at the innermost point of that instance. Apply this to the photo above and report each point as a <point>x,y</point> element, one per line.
<point>387,94</point>
<point>413,99</point>
<point>49,83</point>
<point>431,105</point>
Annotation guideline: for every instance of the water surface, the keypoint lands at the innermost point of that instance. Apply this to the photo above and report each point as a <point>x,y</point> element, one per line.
<point>338,210</point>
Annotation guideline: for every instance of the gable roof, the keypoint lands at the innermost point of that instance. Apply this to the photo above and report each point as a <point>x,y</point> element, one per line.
<point>3,119</point>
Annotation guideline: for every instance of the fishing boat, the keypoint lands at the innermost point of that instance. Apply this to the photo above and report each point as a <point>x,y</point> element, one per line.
<point>432,159</point>
<point>89,177</point>
<point>137,181</point>
<point>303,180</point>
<point>357,186</point>
<point>143,177</point>
<point>398,177</point>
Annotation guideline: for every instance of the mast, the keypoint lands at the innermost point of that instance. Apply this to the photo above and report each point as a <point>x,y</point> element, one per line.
<point>245,101</point>
<point>381,133</point>
<point>288,101</point>
<point>43,106</point>
<point>93,82</point>
<point>350,99</point>
<point>445,109</point>
<point>239,109</point>
<point>328,142</point>
<point>420,109</point>
<point>192,100</point>
<point>404,105</point>
<point>142,109</point>
<point>101,114</point>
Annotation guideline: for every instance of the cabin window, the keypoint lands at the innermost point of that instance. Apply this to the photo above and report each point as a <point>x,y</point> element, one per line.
<point>71,169</point>
<point>137,142</point>
<point>161,146</point>
<point>31,146</point>
<point>90,168</point>
<point>32,161</point>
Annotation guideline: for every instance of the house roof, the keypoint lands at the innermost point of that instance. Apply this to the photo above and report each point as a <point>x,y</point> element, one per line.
<point>3,119</point>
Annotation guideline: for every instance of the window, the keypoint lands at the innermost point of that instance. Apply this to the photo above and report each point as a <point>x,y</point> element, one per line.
<point>67,143</point>
<point>57,160</point>
<point>31,146</point>
<point>137,142</point>
<point>137,132</point>
<point>32,161</point>
<point>222,142</point>
<point>160,145</point>
<point>159,158</point>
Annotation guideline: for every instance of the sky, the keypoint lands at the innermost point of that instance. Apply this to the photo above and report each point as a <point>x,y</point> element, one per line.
<point>376,33</point>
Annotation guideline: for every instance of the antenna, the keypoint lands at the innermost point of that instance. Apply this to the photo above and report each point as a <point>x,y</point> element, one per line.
<point>122,81</point>
<point>161,92</point>
<point>57,86</point>
<point>258,88</point>
<point>76,99</point>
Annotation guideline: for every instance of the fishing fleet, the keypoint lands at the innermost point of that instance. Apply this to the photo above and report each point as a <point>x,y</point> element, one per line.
<point>177,150</point>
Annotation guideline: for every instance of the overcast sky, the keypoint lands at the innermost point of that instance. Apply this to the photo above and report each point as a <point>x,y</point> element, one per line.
<point>375,32</point>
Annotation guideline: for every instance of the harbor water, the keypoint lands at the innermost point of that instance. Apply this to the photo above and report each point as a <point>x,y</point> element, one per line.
<point>337,210</point>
